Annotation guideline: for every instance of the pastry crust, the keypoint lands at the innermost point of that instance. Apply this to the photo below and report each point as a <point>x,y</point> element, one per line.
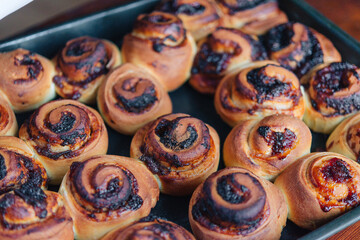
<point>149,46</point>
<point>200,17</point>
<point>105,192</point>
<point>233,203</point>
<point>319,187</point>
<point>331,95</point>
<point>266,147</point>
<point>260,89</point>
<point>26,79</point>
<point>82,65</point>
<point>130,97</point>
<point>150,229</point>
<point>62,132</point>
<point>180,150</point>
<point>220,53</point>
<point>8,123</point>
<point>34,214</point>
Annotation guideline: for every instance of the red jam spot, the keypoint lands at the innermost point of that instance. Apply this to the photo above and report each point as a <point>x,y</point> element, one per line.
<point>280,141</point>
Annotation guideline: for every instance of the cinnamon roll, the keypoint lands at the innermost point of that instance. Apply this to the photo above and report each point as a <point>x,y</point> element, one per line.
<point>18,166</point>
<point>319,187</point>
<point>299,48</point>
<point>332,94</point>
<point>8,123</point>
<point>220,53</point>
<point>130,97</point>
<point>29,213</point>
<point>180,150</point>
<point>26,79</point>
<point>157,228</point>
<point>345,139</point>
<point>64,131</point>
<point>82,65</point>
<point>264,88</point>
<point>160,44</point>
<point>253,17</point>
<point>234,203</point>
<point>106,192</point>
<point>200,17</point>
<point>266,147</point>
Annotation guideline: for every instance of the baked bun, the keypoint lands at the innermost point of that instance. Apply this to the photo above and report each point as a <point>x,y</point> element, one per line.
<point>261,89</point>
<point>62,132</point>
<point>33,214</point>
<point>319,187</point>
<point>234,203</point>
<point>160,44</point>
<point>26,79</point>
<point>8,123</point>
<point>266,147</point>
<point>345,139</point>
<point>200,17</point>
<point>220,53</point>
<point>299,48</point>
<point>148,228</point>
<point>252,17</point>
<point>332,93</point>
<point>130,97</point>
<point>82,65</point>
<point>106,192</point>
<point>18,166</point>
<point>180,150</point>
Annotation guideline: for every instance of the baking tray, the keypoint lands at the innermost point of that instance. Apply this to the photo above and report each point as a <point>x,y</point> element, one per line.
<point>114,23</point>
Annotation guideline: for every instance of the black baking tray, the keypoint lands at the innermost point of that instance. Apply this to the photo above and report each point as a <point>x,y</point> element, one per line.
<point>114,23</point>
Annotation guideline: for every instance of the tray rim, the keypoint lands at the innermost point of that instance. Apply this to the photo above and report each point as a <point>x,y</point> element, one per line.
<point>323,232</point>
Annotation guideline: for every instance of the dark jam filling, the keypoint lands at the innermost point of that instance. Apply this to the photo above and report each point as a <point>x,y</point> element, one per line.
<point>165,131</point>
<point>138,104</point>
<point>332,79</point>
<point>187,9</point>
<point>337,171</point>
<point>3,170</point>
<point>242,5</point>
<point>280,141</point>
<point>231,191</point>
<point>156,18</point>
<point>119,194</point>
<point>78,48</point>
<point>211,214</point>
<point>266,87</point>
<point>34,67</point>
<point>67,121</point>
<point>279,37</point>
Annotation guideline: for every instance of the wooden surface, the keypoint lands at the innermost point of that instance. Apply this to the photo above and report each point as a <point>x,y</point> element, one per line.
<point>345,13</point>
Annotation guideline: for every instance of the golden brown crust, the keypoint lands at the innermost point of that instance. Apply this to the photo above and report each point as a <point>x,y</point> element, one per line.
<point>251,17</point>
<point>26,79</point>
<point>106,192</point>
<point>34,214</point>
<point>221,53</point>
<point>160,44</point>
<point>260,89</point>
<point>18,166</point>
<point>319,187</point>
<point>130,97</point>
<point>180,150</point>
<point>64,131</point>
<point>82,65</point>
<point>8,123</point>
<point>299,48</point>
<point>150,229</point>
<point>200,17</point>
<point>345,138</point>
<point>233,203</point>
<point>332,93</point>
<point>266,147</point>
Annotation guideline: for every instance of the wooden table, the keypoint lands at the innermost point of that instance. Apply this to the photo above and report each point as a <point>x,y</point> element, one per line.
<point>345,13</point>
